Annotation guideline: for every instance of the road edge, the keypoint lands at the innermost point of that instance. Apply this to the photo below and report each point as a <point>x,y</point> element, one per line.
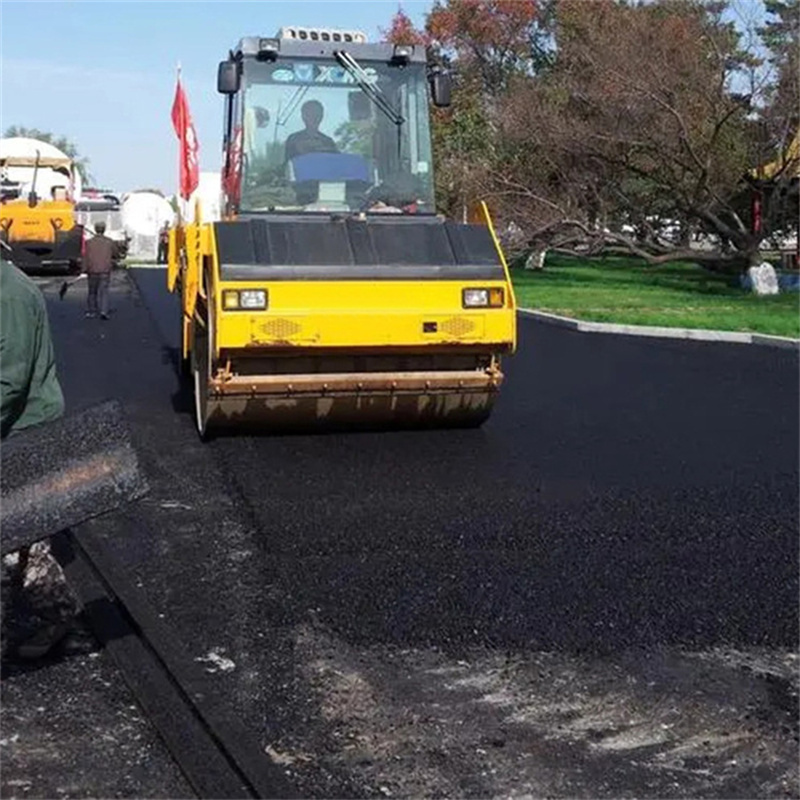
<point>695,334</point>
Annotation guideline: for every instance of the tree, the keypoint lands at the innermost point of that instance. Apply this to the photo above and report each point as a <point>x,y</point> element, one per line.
<point>629,131</point>
<point>781,37</point>
<point>402,30</point>
<point>493,39</point>
<point>778,132</point>
<point>61,142</point>
<point>619,123</point>
<point>482,43</point>
<point>355,136</point>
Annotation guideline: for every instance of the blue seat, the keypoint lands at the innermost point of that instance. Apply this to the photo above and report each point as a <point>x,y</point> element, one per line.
<point>330,167</point>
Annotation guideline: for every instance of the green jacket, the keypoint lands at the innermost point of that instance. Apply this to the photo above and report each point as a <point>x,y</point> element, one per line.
<point>29,390</point>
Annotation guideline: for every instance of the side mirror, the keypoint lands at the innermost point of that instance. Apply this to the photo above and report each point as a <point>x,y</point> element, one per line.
<point>441,86</point>
<point>228,77</point>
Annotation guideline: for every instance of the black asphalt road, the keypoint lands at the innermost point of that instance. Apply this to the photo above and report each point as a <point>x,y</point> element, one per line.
<point>626,493</point>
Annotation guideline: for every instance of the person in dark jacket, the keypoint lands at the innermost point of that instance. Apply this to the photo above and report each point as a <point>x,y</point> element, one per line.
<point>98,261</point>
<point>30,393</point>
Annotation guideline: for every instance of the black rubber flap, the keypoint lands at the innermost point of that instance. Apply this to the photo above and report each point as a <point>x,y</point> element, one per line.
<point>58,475</point>
<point>320,248</point>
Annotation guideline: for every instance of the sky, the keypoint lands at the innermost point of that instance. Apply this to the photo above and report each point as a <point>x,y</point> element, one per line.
<point>102,73</point>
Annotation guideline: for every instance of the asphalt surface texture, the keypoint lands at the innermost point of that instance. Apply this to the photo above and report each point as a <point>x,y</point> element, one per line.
<point>594,595</point>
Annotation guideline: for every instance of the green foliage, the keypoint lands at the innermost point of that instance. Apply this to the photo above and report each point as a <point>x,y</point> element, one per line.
<point>463,150</point>
<point>355,137</point>
<point>581,120</point>
<point>781,37</point>
<point>780,31</point>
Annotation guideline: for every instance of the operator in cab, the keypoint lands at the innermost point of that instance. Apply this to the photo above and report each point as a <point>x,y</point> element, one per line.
<point>310,139</point>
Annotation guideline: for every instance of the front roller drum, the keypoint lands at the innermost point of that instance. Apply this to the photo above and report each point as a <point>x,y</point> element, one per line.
<point>353,400</point>
<point>363,411</point>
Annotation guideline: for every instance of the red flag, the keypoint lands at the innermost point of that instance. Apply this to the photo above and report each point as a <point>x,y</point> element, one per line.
<point>184,129</point>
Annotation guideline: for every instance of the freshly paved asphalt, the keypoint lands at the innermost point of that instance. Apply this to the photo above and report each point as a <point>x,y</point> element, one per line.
<point>625,493</point>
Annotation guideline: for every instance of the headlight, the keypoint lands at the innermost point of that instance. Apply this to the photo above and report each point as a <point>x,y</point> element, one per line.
<point>482,298</point>
<point>475,298</point>
<point>253,298</point>
<point>244,299</point>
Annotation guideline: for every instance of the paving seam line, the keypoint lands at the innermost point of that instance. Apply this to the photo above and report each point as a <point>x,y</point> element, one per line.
<point>697,334</point>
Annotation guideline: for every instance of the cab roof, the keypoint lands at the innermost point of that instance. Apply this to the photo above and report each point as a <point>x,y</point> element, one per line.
<point>252,46</point>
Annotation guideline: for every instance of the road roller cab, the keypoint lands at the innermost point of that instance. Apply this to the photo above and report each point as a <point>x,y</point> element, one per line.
<point>331,292</point>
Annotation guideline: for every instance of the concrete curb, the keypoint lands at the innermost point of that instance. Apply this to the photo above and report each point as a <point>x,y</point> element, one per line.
<point>695,334</point>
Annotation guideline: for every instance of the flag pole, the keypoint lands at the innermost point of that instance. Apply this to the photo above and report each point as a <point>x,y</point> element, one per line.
<point>178,196</point>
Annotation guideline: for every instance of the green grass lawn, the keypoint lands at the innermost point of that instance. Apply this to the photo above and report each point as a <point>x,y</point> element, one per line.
<point>626,290</point>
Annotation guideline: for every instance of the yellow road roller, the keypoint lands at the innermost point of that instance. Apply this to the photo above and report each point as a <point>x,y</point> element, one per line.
<point>330,293</point>
<point>39,230</point>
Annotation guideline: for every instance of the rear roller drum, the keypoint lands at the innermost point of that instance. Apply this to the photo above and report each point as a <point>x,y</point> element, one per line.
<point>204,403</point>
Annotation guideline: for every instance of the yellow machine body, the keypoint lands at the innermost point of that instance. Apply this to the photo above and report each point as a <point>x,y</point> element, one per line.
<point>331,293</point>
<point>338,352</point>
<point>385,314</point>
<point>41,237</point>
<point>40,232</point>
<point>38,223</point>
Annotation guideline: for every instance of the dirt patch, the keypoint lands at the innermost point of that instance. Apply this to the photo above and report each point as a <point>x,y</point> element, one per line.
<point>413,722</point>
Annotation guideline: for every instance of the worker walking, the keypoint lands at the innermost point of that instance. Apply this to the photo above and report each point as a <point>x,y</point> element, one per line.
<point>98,261</point>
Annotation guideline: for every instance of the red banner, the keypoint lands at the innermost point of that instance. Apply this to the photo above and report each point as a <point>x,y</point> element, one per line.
<point>232,174</point>
<point>189,174</point>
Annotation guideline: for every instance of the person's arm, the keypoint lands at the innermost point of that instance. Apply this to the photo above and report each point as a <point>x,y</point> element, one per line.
<point>87,248</point>
<point>45,398</point>
<point>15,366</point>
